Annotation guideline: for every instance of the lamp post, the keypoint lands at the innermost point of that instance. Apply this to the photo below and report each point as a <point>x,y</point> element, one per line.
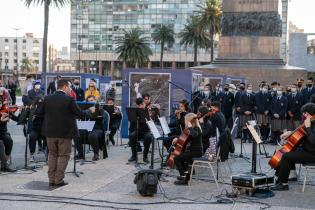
<point>16,50</point>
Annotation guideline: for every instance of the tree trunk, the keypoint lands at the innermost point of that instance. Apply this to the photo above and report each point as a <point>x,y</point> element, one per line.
<point>195,54</point>
<point>212,46</point>
<point>45,36</point>
<point>161,58</point>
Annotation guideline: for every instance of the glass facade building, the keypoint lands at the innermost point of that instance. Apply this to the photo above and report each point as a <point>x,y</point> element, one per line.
<point>97,25</point>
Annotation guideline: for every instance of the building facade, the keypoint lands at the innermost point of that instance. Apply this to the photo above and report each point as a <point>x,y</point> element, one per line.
<point>13,50</point>
<point>97,25</point>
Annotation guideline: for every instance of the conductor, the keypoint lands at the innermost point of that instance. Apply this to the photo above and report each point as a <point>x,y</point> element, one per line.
<point>60,112</point>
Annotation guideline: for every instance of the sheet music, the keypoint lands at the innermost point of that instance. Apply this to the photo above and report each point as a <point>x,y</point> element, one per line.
<point>153,129</point>
<point>85,125</point>
<point>254,133</point>
<point>164,125</point>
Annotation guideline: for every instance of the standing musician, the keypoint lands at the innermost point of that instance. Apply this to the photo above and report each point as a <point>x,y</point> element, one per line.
<point>115,118</point>
<point>305,154</point>
<point>143,132</point>
<point>262,104</point>
<point>193,150</point>
<point>295,102</point>
<point>152,108</point>
<point>247,108</point>
<point>278,111</point>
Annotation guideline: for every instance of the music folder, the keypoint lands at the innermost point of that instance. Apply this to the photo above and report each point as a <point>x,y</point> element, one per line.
<point>254,133</point>
<point>153,129</point>
<point>164,125</point>
<point>85,125</point>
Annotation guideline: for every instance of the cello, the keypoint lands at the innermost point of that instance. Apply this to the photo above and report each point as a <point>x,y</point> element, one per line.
<point>293,141</point>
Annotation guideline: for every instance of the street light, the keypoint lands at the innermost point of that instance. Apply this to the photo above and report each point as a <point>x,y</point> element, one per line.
<point>16,50</point>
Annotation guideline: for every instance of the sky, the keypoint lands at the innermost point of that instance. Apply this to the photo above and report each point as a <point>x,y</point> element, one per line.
<point>14,14</point>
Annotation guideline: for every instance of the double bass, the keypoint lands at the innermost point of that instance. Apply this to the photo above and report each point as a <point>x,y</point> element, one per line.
<point>293,141</point>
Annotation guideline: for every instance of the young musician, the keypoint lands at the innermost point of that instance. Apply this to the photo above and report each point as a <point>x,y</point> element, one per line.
<point>205,125</point>
<point>143,133</point>
<point>278,111</point>
<point>217,119</point>
<point>194,149</point>
<point>262,104</point>
<point>115,118</point>
<point>247,108</point>
<point>305,154</point>
<point>295,102</point>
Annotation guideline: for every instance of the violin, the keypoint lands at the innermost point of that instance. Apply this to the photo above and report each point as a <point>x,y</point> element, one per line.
<point>9,108</point>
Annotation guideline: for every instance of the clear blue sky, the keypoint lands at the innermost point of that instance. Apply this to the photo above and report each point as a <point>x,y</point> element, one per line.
<point>13,14</point>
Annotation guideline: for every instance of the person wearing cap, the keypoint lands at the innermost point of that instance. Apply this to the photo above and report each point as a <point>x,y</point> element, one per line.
<point>52,87</point>
<point>92,90</point>
<point>35,92</point>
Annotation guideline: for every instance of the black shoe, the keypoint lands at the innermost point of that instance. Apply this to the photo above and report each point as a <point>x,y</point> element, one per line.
<point>132,159</point>
<point>181,182</point>
<point>96,157</point>
<point>51,184</point>
<point>7,169</point>
<point>63,183</point>
<point>280,187</point>
<point>113,141</point>
<point>145,159</point>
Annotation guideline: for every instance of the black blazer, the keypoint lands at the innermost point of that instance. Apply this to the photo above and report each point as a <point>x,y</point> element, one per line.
<point>294,105</point>
<point>227,103</point>
<point>279,106</point>
<point>79,93</point>
<point>262,102</point>
<point>51,88</point>
<point>247,103</point>
<point>60,113</point>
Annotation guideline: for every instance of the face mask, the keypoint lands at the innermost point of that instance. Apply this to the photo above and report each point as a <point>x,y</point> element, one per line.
<point>279,92</point>
<point>309,85</point>
<point>249,91</point>
<point>37,87</point>
<point>226,89</point>
<point>299,85</point>
<point>76,83</point>
<point>217,89</point>
<point>242,88</point>
<point>293,90</point>
<point>206,92</point>
<point>264,90</point>
<point>274,89</point>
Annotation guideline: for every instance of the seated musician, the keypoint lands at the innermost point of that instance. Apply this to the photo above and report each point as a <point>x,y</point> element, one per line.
<point>5,136</point>
<point>304,154</point>
<point>193,149</point>
<point>205,125</point>
<point>3,157</point>
<point>115,118</point>
<point>143,132</point>
<point>96,136</point>
<point>177,122</point>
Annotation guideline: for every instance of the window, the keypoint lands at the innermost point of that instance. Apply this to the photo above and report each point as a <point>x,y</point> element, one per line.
<point>24,47</point>
<point>35,48</point>
<point>15,54</point>
<point>6,40</point>
<point>35,41</point>
<point>6,60</point>
<point>24,40</point>
<point>6,54</point>
<point>15,60</point>
<point>24,55</point>
<point>6,47</point>
<point>15,40</point>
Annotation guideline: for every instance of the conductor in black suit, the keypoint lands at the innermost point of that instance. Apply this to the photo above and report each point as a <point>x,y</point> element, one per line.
<point>60,113</point>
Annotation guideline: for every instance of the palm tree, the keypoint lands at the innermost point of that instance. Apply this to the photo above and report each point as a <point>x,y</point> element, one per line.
<point>210,14</point>
<point>163,35</point>
<point>134,48</point>
<point>194,35</point>
<point>47,4</point>
<point>27,65</point>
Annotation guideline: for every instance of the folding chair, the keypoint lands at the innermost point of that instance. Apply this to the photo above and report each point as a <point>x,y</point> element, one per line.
<point>106,120</point>
<point>307,167</point>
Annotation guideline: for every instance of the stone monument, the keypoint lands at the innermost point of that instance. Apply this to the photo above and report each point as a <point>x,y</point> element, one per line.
<point>250,43</point>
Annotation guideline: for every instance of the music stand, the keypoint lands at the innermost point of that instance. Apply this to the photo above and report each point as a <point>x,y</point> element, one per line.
<point>256,141</point>
<point>156,135</point>
<point>166,130</point>
<point>86,126</point>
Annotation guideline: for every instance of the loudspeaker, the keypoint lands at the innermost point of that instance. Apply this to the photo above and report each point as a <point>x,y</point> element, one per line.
<point>147,181</point>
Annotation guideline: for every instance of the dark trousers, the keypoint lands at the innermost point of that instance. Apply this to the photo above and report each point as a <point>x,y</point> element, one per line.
<point>147,139</point>
<point>229,121</point>
<point>289,160</point>
<point>264,131</point>
<point>8,143</point>
<point>112,134</point>
<point>36,137</point>
<point>182,160</point>
<point>95,138</point>
<point>3,158</point>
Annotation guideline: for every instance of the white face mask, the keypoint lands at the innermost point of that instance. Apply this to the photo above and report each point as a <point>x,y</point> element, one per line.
<point>265,90</point>
<point>279,93</point>
<point>293,90</point>
<point>249,91</point>
<point>274,89</point>
<point>206,92</point>
<point>37,87</point>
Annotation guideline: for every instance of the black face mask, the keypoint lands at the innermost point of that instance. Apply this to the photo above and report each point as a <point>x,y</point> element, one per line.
<point>242,88</point>
<point>299,85</point>
<point>309,85</point>
<point>76,83</point>
<point>226,89</point>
